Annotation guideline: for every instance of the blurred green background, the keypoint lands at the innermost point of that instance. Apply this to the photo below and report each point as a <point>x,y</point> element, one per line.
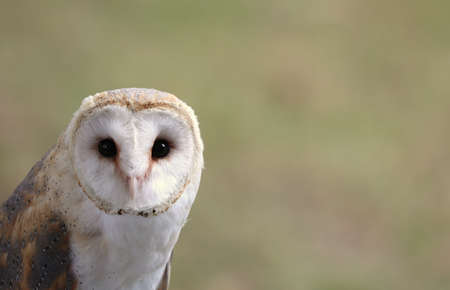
<point>326,125</point>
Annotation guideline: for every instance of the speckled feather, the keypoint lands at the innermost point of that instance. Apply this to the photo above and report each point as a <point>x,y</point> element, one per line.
<point>34,239</point>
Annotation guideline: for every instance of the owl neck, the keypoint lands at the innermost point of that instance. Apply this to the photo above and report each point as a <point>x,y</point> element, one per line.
<point>125,252</point>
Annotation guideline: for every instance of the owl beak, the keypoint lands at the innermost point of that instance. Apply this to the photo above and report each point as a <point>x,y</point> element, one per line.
<point>133,183</point>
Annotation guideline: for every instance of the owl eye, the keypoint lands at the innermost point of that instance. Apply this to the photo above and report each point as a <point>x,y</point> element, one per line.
<point>107,148</point>
<point>161,148</point>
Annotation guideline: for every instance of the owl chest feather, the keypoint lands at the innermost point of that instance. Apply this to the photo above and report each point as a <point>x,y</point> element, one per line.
<point>126,254</point>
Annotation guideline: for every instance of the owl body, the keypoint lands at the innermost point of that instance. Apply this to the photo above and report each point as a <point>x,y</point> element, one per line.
<point>104,208</point>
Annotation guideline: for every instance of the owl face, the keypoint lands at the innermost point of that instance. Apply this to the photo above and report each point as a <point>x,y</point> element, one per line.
<point>134,161</point>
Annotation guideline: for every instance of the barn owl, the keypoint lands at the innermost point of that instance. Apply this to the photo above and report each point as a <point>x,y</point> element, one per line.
<point>104,207</point>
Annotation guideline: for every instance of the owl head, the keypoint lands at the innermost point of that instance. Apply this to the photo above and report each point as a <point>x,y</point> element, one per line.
<point>134,151</point>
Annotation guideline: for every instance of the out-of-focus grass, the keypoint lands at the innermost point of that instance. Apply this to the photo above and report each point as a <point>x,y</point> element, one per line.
<point>326,124</point>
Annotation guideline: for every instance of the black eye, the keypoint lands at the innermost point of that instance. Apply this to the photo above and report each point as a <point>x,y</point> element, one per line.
<point>161,148</point>
<point>107,148</point>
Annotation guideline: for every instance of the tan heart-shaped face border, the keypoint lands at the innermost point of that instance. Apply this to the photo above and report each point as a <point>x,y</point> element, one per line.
<point>135,100</point>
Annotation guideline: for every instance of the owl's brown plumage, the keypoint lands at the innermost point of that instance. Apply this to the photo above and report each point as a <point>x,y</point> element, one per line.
<point>34,239</point>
